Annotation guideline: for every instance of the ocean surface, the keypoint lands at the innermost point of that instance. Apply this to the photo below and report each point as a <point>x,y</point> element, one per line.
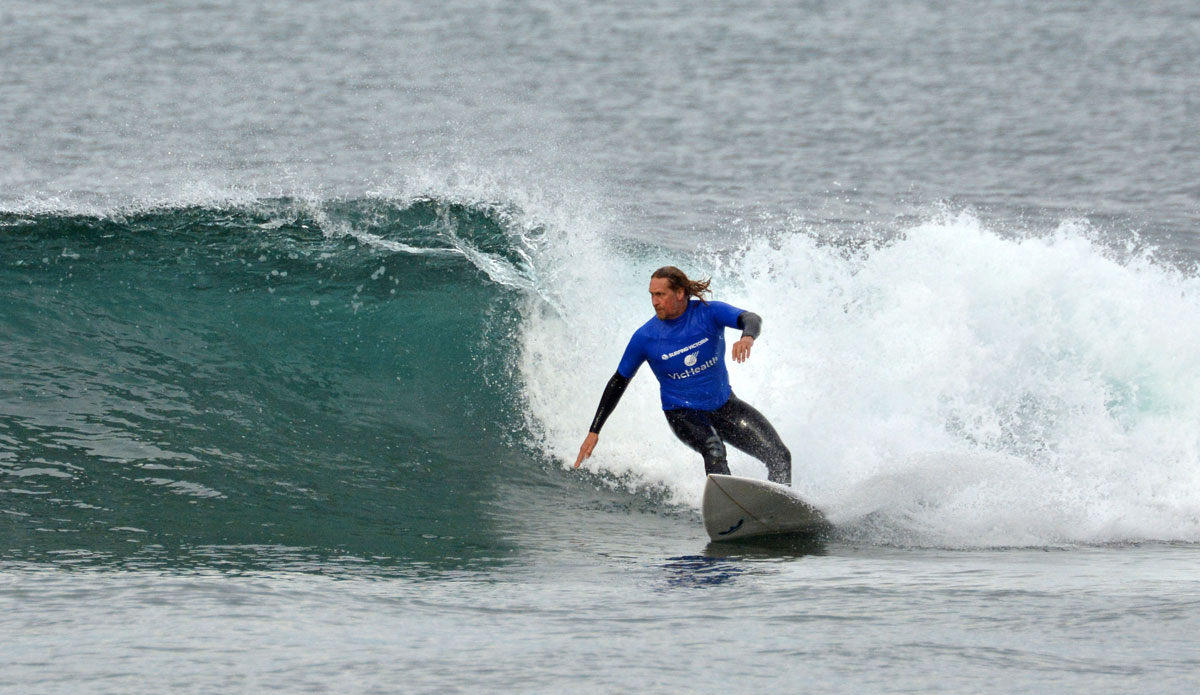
<point>305,309</point>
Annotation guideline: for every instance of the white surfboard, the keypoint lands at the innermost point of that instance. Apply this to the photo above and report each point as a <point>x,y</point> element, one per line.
<point>735,508</point>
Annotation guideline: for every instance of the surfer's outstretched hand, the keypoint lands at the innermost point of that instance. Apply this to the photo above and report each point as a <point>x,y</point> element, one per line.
<point>741,349</point>
<point>585,451</point>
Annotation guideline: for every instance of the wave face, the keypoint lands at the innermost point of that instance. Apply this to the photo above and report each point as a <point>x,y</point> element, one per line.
<point>292,381</point>
<point>283,376</point>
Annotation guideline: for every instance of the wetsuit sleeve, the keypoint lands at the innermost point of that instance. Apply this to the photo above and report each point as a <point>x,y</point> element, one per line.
<point>635,354</point>
<point>750,323</point>
<point>608,402</point>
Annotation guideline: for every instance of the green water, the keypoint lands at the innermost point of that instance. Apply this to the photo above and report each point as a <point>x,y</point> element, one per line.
<point>190,385</point>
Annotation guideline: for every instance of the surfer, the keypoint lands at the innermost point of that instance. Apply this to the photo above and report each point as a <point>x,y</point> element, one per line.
<point>685,345</point>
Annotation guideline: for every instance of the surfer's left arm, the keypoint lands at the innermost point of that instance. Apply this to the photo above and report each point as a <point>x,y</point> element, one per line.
<point>751,325</point>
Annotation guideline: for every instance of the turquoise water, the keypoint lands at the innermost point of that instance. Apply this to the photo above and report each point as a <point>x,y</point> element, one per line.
<point>181,384</point>
<point>304,312</point>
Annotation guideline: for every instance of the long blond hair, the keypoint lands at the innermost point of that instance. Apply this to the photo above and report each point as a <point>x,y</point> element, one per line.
<point>678,280</point>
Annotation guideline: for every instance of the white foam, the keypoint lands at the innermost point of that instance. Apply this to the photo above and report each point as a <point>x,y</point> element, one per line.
<point>955,387</point>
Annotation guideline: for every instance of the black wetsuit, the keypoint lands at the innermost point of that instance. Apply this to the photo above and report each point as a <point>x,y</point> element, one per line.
<point>706,431</point>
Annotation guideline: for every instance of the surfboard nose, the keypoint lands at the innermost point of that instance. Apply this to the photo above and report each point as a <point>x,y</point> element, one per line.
<point>734,507</point>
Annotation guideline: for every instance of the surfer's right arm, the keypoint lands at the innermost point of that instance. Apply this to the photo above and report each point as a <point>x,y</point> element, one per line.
<point>631,360</point>
<point>608,402</point>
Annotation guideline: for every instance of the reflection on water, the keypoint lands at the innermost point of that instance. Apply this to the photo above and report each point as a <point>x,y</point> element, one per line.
<point>722,562</point>
<point>700,571</point>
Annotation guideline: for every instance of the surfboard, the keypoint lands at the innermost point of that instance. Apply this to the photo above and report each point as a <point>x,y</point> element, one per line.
<point>734,507</point>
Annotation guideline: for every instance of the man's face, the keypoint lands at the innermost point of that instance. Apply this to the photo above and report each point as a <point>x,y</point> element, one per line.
<point>668,303</point>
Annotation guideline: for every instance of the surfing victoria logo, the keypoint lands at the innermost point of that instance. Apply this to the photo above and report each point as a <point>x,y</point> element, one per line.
<point>680,351</point>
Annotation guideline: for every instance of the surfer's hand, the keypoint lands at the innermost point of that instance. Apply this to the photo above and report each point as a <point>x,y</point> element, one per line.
<point>741,349</point>
<point>585,451</point>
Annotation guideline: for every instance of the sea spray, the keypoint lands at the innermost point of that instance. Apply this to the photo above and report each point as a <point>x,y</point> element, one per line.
<point>1004,390</point>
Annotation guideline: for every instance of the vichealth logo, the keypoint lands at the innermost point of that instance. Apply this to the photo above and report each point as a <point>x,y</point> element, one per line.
<point>692,371</point>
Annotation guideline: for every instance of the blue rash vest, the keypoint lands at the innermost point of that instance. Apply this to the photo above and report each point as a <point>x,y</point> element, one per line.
<point>687,354</point>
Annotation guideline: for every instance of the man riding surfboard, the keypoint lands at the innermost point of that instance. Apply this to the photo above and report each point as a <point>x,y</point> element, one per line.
<point>685,344</point>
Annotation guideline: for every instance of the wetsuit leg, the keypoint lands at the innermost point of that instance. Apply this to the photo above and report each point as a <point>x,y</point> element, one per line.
<point>738,423</point>
<point>694,429</point>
